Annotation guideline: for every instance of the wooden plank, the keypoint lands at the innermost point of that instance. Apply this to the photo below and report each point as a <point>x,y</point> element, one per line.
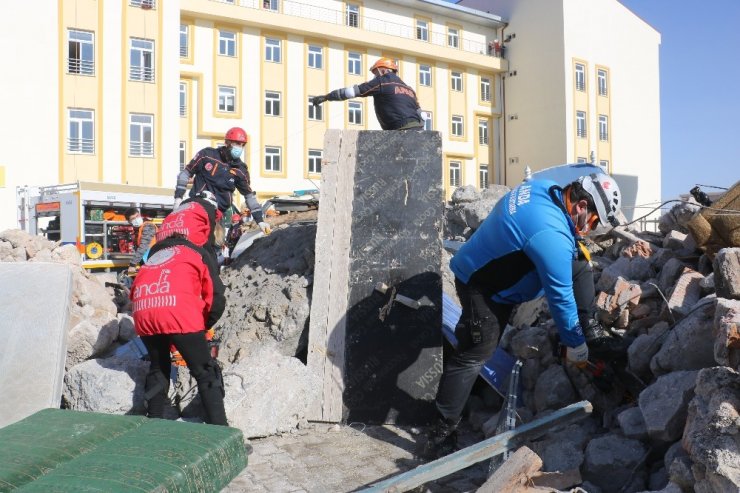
<point>514,473</point>
<point>481,451</point>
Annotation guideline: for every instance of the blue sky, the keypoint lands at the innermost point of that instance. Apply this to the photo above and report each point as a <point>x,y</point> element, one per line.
<point>699,90</point>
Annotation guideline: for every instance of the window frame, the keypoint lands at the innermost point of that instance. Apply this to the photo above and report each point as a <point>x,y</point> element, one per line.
<point>186,53</point>
<point>357,61</point>
<point>485,81</point>
<point>273,157</point>
<point>427,120</point>
<point>603,128</point>
<point>455,36</point>
<point>423,72</point>
<point>183,99</point>
<point>455,123</point>
<point>227,46</point>
<point>602,76</point>
<point>80,146</point>
<point>313,111</point>
<point>352,15</point>
<point>142,152</point>
<point>483,170</point>
<point>580,76</point>
<point>355,108</point>
<point>451,171</point>
<point>456,76</point>
<point>271,5</point>
<point>422,29</point>
<point>183,153</point>
<point>581,127</point>
<point>273,102</point>
<point>314,57</point>
<point>81,66</point>
<point>315,160</point>
<point>141,73</point>
<point>483,138</point>
<point>273,46</point>
<point>223,95</point>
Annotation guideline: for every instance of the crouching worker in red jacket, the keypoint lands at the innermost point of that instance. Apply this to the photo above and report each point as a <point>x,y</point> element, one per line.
<point>176,297</point>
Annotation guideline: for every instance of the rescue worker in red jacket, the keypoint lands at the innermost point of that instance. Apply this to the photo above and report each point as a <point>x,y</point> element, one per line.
<point>221,171</point>
<point>144,237</point>
<point>396,106</point>
<point>176,297</point>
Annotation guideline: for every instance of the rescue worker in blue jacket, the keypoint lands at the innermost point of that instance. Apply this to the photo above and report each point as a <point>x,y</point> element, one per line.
<point>526,246</point>
<point>221,171</point>
<point>396,106</point>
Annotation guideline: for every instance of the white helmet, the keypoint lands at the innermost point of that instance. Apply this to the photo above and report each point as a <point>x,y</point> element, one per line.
<point>604,190</point>
<point>209,197</point>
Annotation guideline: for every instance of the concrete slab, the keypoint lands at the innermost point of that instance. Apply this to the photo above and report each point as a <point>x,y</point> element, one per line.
<point>35,299</point>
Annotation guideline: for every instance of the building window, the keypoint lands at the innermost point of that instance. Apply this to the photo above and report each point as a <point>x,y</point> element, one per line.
<point>272,103</point>
<point>226,43</point>
<point>81,132</point>
<point>603,128</point>
<point>141,135</point>
<point>581,124</point>
<point>604,164</point>
<point>81,53</point>
<point>485,89</point>
<point>183,155</point>
<point>427,120</point>
<point>272,159</point>
<point>183,40</point>
<point>601,75</point>
<point>271,5</point>
<point>227,99</point>
<point>456,81</point>
<point>453,37</point>
<point>315,112</point>
<point>355,112</point>
<point>144,4</point>
<point>425,75</point>
<point>183,99</point>
<point>353,15</point>
<point>581,160</point>
<point>457,126</point>
<point>455,172</point>
<point>314,160</point>
<point>142,60</point>
<point>354,63</point>
<point>272,50</point>
<point>483,176</point>
<point>422,30</point>
<point>483,132</point>
<point>315,56</point>
<point>580,77</point>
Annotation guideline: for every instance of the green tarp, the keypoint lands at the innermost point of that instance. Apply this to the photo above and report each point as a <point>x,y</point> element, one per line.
<point>71,451</point>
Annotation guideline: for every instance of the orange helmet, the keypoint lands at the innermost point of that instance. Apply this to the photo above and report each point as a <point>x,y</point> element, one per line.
<point>385,62</point>
<point>236,134</point>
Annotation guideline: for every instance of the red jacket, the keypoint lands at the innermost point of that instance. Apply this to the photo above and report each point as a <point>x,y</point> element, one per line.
<point>178,290</point>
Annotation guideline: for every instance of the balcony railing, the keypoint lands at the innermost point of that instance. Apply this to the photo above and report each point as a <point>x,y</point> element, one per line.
<point>604,136</point>
<point>82,67</point>
<point>144,4</point>
<point>184,51</point>
<point>145,149</point>
<point>581,132</point>
<point>145,74</point>
<point>183,110</point>
<point>339,17</point>
<point>80,146</point>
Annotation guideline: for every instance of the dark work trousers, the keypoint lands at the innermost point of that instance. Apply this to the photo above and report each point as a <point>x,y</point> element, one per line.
<point>481,314</point>
<point>197,355</point>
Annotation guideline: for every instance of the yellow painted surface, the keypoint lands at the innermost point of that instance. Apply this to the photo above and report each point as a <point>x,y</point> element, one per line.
<point>603,107</point>
<point>227,71</point>
<point>273,132</point>
<point>2,176</point>
<point>581,146</point>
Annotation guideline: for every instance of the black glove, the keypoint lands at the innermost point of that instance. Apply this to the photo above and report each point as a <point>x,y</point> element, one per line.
<point>317,100</point>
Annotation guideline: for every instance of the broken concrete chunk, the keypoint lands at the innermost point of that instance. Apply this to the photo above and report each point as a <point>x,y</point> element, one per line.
<point>674,240</point>
<point>664,405</point>
<point>530,342</point>
<point>685,293</point>
<point>727,333</point>
<point>689,345</point>
<point>632,423</point>
<point>727,273</point>
<point>610,461</point>
<point>553,389</point>
<point>669,273</point>
<point>641,351</point>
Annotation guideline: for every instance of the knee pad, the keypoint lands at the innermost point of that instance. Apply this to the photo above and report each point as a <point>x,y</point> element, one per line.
<point>154,384</point>
<point>211,377</point>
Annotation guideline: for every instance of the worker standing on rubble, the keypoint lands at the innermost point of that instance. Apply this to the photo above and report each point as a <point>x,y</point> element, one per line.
<point>176,297</point>
<point>528,244</point>
<point>144,237</point>
<point>221,171</point>
<point>396,106</point>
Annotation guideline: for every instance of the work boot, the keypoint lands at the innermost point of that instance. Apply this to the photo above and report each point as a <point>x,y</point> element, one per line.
<point>441,439</point>
<point>602,344</point>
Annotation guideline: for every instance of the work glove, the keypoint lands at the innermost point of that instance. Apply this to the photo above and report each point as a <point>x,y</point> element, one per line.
<point>132,270</point>
<point>265,227</point>
<point>317,100</point>
<point>577,355</point>
<point>178,200</point>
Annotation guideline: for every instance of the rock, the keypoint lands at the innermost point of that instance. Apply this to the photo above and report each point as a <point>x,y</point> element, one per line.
<point>562,450</point>
<point>610,461</point>
<point>86,340</point>
<point>689,345</point>
<point>632,424</point>
<point>126,329</point>
<point>678,217</point>
<point>680,473</point>
<point>530,342</point>
<point>553,389</point>
<point>465,194</point>
<point>669,273</point>
<point>67,254</point>
<point>727,333</point>
<point>113,385</point>
<point>674,240</point>
<point>631,269</point>
<point>641,352</point>
<point>707,284</point>
<point>268,393</point>
<point>685,293</point>
<point>675,451</point>
<point>727,273</point>
<point>664,405</point>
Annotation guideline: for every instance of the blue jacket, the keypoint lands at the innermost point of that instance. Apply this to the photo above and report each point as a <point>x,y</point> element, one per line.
<point>526,246</point>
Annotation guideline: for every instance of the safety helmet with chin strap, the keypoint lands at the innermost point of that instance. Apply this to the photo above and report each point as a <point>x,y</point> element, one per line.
<point>605,193</point>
